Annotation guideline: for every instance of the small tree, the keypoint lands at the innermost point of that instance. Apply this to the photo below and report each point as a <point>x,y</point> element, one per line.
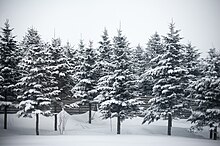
<point>9,58</point>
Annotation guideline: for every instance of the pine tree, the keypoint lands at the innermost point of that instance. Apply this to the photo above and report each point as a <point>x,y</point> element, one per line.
<point>9,58</point>
<point>122,102</point>
<point>140,60</point>
<point>191,61</point>
<point>86,77</point>
<point>104,66</point>
<point>34,83</point>
<point>169,76</point>
<point>153,52</point>
<point>194,67</point>
<point>155,46</point>
<point>61,81</point>
<point>206,93</point>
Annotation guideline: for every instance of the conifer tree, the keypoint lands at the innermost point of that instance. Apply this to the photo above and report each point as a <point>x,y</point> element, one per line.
<point>104,66</point>
<point>169,75</point>
<point>60,73</point>
<point>86,77</point>
<point>9,74</point>
<point>34,82</point>
<point>206,94</point>
<point>153,52</point>
<point>122,102</point>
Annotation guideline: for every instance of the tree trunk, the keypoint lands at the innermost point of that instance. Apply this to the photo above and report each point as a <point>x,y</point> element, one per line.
<point>215,133</point>
<point>118,124</point>
<point>55,118</point>
<point>169,124</point>
<point>90,113</point>
<point>210,133</point>
<point>37,124</point>
<point>5,117</point>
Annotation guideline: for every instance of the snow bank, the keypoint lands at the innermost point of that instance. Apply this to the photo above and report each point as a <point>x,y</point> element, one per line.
<point>21,131</point>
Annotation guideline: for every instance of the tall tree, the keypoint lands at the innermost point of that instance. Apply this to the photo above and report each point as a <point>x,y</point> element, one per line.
<point>34,83</point>
<point>122,102</point>
<point>85,88</point>
<point>61,80</point>
<point>206,94</point>
<point>104,66</point>
<point>9,58</point>
<point>169,75</point>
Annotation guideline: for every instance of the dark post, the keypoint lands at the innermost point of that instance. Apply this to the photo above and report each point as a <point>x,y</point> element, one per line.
<point>5,117</point>
<point>169,124</point>
<point>5,111</point>
<point>55,117</point>
<point>37,124</point>
<point>90,113</point>
<point>210,131</point>
<point>118,124</point>
<point>215,133</point>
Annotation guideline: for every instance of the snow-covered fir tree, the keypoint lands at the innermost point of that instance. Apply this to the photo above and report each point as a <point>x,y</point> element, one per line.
<point>9,58</point>
<point>155,46</point>
<point>140,60</point>
<point>122,102</point>
<point>169,75</point>
<point>153,52</point>
<point>194,67</point>
<point>60,73</point>
<point>206,93</point>
<point>86,76</point>
<point>191,61</point>
<point>34,85</point>
<point>104,66</point>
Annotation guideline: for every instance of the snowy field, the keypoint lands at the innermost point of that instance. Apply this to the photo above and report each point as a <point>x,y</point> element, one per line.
<point>21,132</point>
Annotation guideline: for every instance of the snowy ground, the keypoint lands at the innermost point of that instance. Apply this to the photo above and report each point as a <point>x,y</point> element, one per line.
<point>21,132</point>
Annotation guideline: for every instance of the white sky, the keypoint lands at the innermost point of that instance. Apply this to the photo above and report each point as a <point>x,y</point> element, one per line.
<point>199,20</point>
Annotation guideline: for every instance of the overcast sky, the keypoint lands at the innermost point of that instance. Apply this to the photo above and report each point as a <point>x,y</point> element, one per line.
<point>199,20</point>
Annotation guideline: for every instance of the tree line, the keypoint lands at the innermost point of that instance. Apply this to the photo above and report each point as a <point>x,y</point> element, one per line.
<point>38,77</point>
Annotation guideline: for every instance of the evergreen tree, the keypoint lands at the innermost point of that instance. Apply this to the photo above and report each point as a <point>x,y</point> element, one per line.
<point>169,76</point>
<point>155,46</point>
<point>86,77</point>
<point>191,61</point>
<point>9,58</point>
<point>140,60</point>
<point>193,64</point>
<point>206,94</point>
<point>60,73</point>
<point>34,83</point>
<point>153,52</point>
<point>122,102</point>
<point>104,66</point>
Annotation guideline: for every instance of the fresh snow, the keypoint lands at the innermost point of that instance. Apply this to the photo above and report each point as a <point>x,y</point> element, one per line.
<point>78,132</point>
